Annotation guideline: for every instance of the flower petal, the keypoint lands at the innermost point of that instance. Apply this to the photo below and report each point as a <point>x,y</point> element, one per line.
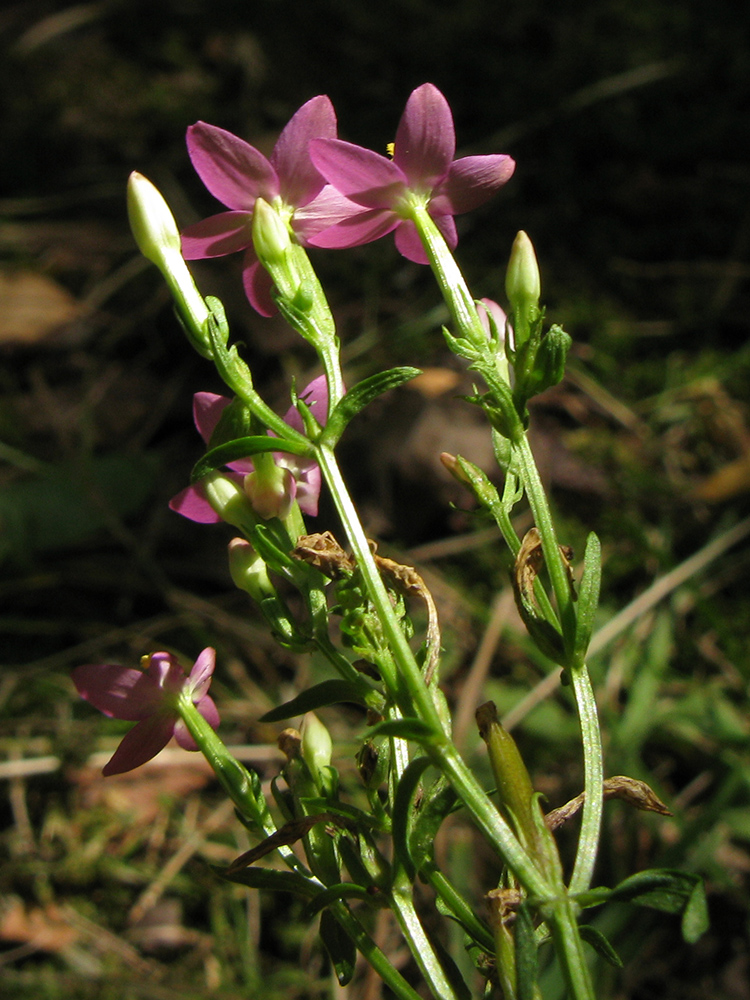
<point>233,171</point>
<point>299,181</point>
<point>359,174</point>
<point>207,410</point>
<point>218,235</point>
<point>258,285</point>
<point>193,504</point>
<point>356,230</point>
<point>210,713</point>
<point>309,483</point>
<point>326,209</point>
<point>199,680</point>
<point>143,742</point>
<point>425,139</point>
<point>409,244</point>
<point>472,181</point>
<point>167,672</point>
<point>119,692</point>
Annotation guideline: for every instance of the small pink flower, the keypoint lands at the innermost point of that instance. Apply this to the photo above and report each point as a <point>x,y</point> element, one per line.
<point>422,166</point>
<point>304,480</point>
<point>237,174</point>
<point>148,697</point>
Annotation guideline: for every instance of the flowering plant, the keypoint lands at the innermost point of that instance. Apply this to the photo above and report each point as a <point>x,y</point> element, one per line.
<point>262,474</point>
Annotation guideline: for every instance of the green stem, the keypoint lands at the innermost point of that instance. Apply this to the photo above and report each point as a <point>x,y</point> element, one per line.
<point>553,559</point>
<point>562,916</point>
<point>581,682</point>
<point>565,934</point>
<point>238,784</point>
<point>457,297</point>
<point>382,965</point>
<point>591,819</point>
<point>418,942</point>
<point>457,904</point>
<point>414,697</point>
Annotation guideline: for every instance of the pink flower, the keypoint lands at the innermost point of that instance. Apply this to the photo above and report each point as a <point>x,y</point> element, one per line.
<point>303,480</point>
<point>422,168</point>
<point>148,697</point>
<point>237,174</point>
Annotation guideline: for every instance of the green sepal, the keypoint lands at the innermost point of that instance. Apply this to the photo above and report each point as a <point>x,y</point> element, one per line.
<point>360,396</point>
<point>254,444</point>
<point>273,879</point>
<point>461,346</point>
<point>340,947</point>
<point>588,597</point>
<point>236,421</point>
<point>403,811</point>
<point>600,944</point>
<point>549,363</point>
<point>332,692</point>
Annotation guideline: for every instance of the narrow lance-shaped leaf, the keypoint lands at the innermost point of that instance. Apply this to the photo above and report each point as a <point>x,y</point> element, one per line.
<point>600,944</point>
<point>402,812</point>
<point>332,692</point>
<point>233,451</point>
<point>340,947</point>
<point>361,395</point>
<point>526,955</point>
<point>588,596</point>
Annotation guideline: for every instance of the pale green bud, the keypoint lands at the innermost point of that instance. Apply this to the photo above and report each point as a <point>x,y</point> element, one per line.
<point>317,746</point>
<point>158,239</point>
<point>230,501</point>
<point>248,571</point>
<point>522,281</point>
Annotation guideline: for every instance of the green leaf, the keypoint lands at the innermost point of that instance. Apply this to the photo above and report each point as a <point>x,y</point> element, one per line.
<point>526,955</point>
<point>273,880</point>
<point>407,728</point>
<point>695,915</point>
<point>592,897</point>
<point>439,802</point>
<point>342,890</point>
<point>360,396</point>
<point>403,812</point>
<point>332,692</point>
<point>663,889</point>
<point>588,597</point>
<point>245,447</point>
<point>340,947</point>
<point>600,944</point>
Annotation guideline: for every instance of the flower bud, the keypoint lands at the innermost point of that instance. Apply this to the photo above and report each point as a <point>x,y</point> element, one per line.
<point>522,282</point>
<point>229,500</point>
<point>522,286</point>
<point>158,239</point>
<point>248,571</point>
<point>316,746</point>
<point>511,777</point>
<point>271,491</point>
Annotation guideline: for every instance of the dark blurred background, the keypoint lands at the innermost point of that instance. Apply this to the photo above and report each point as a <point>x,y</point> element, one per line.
<point>628,122</point>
